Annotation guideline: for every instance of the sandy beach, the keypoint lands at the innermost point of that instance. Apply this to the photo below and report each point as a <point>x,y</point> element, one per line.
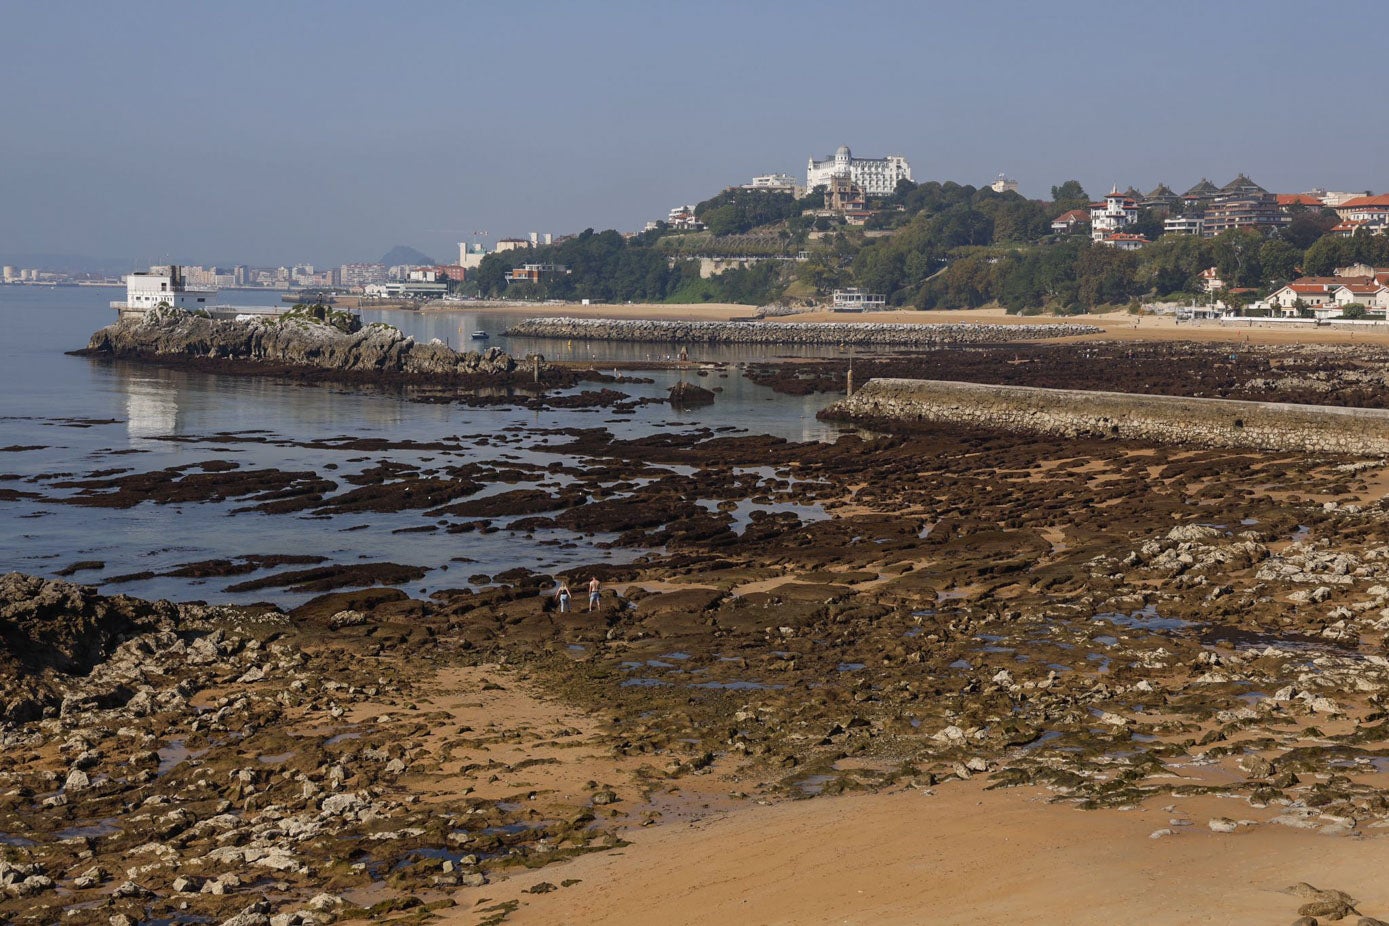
<point>963,855</point>
<point>1119,325</point>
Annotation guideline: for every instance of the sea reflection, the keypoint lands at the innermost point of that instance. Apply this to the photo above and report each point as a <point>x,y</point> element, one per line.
<point>151,409</point>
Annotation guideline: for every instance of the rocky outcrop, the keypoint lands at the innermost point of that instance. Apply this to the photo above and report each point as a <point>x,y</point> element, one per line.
<point>294,341</point>
<point>1161,419</point>
<point>871,333</point>
<point>52,630</point>
<point>688,395</point>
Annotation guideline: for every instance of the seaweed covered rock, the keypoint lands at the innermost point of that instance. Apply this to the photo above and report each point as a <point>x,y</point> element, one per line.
<point>334,341</point>
<point>52,629</point>
<point>688,395</point>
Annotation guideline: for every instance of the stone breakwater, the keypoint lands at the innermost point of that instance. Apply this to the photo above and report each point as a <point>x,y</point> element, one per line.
<point>705,332</point>
<point>298,341</point>
<point>1163,419</point>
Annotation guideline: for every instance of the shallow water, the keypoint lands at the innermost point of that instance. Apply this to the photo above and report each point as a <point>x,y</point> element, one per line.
<point>61,414</point>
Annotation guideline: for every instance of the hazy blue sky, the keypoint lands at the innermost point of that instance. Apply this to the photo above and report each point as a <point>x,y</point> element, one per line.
<point>269,132</point>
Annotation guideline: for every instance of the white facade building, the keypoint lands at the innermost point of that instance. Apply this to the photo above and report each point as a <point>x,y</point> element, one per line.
<point>1182,225</point>
<point>774,183</point>
<point>145,291</point>
<point>1114,214</point>
<point>856,300</point>
<point>470,255</point>
<point>875,176</point>
<point>1004,184</point>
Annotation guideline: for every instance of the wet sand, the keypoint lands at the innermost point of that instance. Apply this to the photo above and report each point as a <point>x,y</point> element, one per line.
<point>963,856</point>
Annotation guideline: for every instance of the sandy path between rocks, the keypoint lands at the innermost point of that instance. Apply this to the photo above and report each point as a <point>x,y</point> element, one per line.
<point>964,856</point>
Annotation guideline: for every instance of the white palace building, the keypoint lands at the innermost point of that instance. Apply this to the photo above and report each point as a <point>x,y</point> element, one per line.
<point>875,176</point>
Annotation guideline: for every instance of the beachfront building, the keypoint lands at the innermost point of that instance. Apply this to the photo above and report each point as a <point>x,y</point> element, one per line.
<point>414,290</point>
<point>1306,292</point>
<point>856,300</point>
<point>163,285</point>
<point>875,176</point>
<point>1373,297</point>
<point>1112,214</point>
<point>533,273</point>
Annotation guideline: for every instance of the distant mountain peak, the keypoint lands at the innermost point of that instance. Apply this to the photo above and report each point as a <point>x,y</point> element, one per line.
<point>404,254</point>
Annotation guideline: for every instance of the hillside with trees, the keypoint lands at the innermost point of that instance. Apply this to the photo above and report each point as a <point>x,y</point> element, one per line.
<point>931,245</point>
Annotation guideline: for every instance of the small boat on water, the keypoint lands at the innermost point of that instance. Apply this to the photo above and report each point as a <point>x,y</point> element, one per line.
<point>480,335</point>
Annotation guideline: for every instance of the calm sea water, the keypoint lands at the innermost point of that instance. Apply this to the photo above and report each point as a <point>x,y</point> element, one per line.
<point>81,416</point>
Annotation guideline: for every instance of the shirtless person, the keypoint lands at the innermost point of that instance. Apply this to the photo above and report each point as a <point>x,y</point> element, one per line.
<point>594,587</point>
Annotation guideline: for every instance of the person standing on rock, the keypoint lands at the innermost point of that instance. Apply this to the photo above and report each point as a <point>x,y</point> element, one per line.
<point>594,592</point>
<point>562,596</point>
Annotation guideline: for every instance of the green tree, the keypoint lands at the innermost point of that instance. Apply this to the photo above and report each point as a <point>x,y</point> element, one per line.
<point>1236,254</point>
<point>1067,196</point>
<point>1149,225</point>
<point>1307,226</point>
<point>1106,276</point>
<point>1278,260</point>
<point>1173,263</point>
<point>1326,254</point>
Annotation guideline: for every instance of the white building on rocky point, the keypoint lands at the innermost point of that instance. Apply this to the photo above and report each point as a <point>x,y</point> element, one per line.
<point>875,176</point>
<point>163,285</point>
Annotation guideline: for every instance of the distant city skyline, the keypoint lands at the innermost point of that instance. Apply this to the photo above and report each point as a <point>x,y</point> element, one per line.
<point>328,133</point>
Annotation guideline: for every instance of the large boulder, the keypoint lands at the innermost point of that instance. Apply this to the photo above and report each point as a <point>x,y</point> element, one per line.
<point>294,339</point>
<point>688,395</point>
<point>50,630</point>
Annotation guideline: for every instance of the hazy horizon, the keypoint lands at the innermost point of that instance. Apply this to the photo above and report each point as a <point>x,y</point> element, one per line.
<point>329,133</point>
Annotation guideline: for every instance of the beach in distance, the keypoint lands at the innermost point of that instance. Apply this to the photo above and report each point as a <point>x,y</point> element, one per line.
<point>1117,325</point>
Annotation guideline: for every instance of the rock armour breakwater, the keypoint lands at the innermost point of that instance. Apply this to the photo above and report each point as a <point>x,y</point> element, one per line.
<point>705,332</point>
<point>173,334</point>
<point>1162,419</point>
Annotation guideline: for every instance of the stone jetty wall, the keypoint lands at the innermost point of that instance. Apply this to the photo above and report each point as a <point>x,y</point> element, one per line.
<point>1163,419</point>
<point>173,334</point>
<point>610,329</point>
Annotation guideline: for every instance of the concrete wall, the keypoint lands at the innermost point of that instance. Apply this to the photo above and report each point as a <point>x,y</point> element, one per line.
<point>1158,419</point>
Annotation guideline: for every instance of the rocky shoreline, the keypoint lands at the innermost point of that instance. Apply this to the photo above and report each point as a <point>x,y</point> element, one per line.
<point>1116,623</point>
<point>828,333</point>
<point>334,345</point>
<point>1109,622</point>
